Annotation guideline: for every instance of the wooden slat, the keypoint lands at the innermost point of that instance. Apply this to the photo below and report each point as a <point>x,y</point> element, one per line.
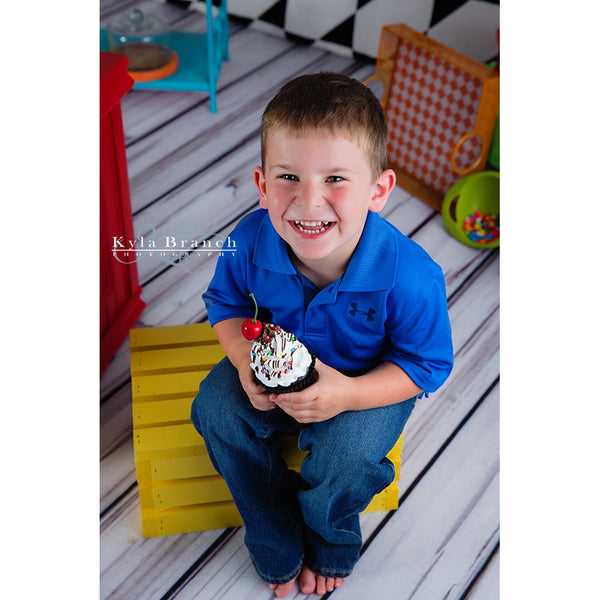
<point>456,259</point>
<point>171,410</point>
<point>194,358</point>
<point>216,515</point>
<point>487,584</point>
<point>117,474</point>
<point>171,337</point>
<point>115,420</point>
<point>167,385</point>
<point>182,493</point>
<point>165,469</point>
<point>108,8</point>
<point>170,439</point>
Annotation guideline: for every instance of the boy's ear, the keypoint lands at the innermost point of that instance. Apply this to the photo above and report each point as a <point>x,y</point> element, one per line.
<point>381,190</point>
<point>259,180</point>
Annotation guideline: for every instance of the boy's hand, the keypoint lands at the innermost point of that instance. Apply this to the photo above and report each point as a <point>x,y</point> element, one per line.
<point>324,399</point>
<point>255,391</point>
<point>237,349</point>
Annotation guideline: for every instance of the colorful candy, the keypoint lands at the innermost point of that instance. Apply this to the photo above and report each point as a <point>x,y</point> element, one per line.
<point>482,229</point>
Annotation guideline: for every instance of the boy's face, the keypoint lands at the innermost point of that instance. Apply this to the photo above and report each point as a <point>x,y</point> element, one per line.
<point>318,188</point>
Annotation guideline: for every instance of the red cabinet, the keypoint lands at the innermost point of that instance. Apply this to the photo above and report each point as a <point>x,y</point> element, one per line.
<point>120,291</point>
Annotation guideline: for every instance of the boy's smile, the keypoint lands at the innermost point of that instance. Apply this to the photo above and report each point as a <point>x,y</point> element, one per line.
<point>318,188</point>
<point>312,227</point>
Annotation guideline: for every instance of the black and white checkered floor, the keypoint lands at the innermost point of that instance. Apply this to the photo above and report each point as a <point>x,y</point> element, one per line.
<point>354,26</point>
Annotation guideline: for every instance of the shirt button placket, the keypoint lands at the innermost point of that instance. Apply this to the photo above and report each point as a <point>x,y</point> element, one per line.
<point>316,321</point>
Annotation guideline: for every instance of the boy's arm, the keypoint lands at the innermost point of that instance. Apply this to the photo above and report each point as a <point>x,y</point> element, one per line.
<point>386,384</point>
<point>235,345</point>
<point>335,392</point>
<point>237,348</point>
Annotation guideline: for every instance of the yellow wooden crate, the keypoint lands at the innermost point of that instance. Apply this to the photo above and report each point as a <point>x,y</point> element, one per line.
<point>180,491</point>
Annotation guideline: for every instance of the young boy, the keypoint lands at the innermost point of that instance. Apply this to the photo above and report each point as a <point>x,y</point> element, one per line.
<point>366,300</point>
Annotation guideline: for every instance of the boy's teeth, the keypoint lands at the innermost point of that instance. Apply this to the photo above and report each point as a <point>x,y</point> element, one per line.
<point>315,226</point>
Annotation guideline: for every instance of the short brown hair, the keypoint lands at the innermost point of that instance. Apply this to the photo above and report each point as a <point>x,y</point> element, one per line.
<point>333,101</point>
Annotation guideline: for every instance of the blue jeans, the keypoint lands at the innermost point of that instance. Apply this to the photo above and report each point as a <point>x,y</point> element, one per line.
<point>292,519</point>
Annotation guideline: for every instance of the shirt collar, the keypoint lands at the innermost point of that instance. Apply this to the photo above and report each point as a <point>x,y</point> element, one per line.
<point>270,251</point>
<point>376,247</point>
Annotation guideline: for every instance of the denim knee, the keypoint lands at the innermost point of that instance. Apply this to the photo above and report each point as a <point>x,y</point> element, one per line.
<point>217,390</point>
<point>346,466</point>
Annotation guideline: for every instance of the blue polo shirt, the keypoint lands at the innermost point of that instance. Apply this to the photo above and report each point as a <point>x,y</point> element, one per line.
<point>390,304</point>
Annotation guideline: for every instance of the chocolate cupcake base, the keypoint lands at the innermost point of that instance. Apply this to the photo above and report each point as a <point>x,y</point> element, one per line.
<point>297,386</point>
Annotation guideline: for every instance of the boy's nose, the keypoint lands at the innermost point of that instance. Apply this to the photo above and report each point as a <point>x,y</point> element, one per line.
<point>309,195</point>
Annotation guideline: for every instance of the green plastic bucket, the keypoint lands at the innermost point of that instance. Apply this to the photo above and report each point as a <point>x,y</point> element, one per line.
<point>471,210</point>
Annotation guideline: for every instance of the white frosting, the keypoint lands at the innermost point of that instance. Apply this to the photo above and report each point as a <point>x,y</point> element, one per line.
<point>278,357</point>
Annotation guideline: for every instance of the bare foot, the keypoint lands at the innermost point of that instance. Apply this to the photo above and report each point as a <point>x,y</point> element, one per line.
<point>310,582</point>
<point>282,589</point>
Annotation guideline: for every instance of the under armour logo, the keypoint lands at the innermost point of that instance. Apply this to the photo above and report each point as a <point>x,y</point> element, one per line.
<point>369,314</point>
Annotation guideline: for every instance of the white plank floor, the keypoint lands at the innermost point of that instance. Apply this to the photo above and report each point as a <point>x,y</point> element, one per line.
<point>191,173</point>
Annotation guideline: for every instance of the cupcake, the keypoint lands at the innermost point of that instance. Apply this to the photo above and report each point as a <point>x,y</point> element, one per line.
<point>281,362</point>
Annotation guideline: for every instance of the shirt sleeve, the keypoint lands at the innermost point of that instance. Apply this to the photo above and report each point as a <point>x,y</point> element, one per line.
<point>227,295</point>
<point>421,337</point>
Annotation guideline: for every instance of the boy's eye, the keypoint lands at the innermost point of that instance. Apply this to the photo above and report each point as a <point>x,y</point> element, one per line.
<point>334,179</point>
<point>288,177</point>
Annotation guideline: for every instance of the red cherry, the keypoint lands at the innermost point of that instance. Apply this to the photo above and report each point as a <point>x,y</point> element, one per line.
<point>251,328</point>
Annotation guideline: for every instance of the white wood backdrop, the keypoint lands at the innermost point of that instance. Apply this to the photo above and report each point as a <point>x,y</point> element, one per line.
<point>191,171</point>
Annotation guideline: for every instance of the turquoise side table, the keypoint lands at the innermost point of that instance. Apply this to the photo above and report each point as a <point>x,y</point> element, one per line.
<point>200,56</point>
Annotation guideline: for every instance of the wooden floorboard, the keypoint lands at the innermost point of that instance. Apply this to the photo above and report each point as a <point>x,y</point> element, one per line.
<point>487,584</point>
<point>191,174</point>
